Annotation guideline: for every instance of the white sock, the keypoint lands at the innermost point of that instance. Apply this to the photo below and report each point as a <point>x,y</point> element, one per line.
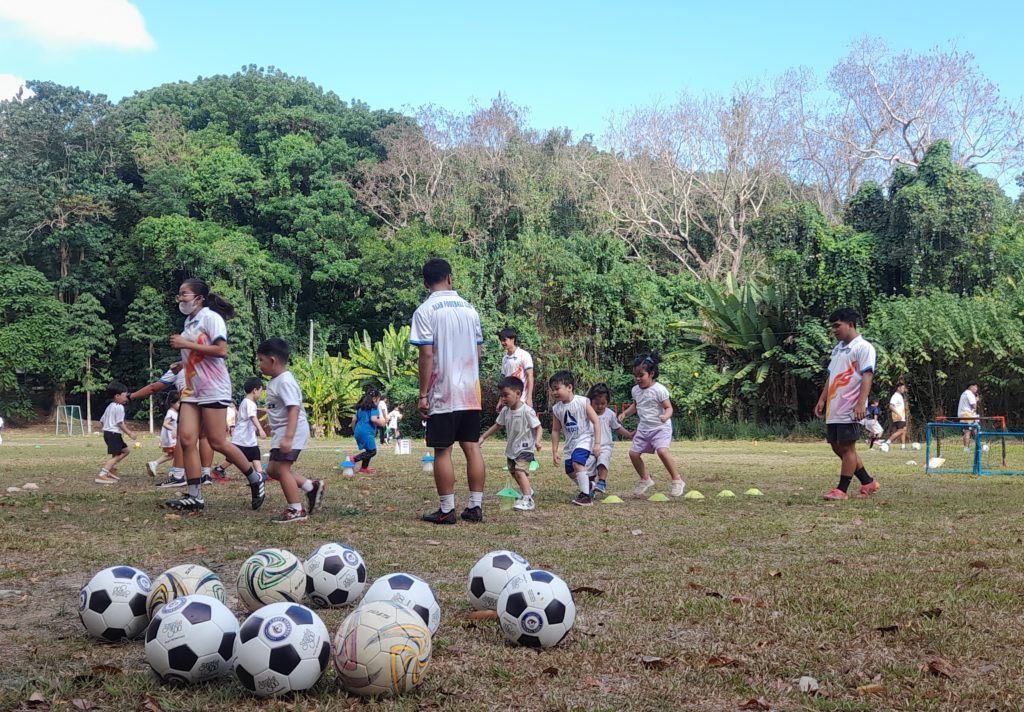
<point>583,481</point>
<point>104,471</point>
<point>447,502</point>
<point>307,486</point>
<point>206,472</point>
<point>476,499</point>
<point>177,473</point>
<point>296,507</point>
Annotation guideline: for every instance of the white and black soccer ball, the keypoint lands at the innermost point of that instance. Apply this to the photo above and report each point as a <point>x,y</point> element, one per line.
<point>884,447</point>
<point>271,576</point>
<point>192,640</point>
<point>381,648</point>
<point>916,446</point>
<point>410,591</point>
<point>335,576</point>
<point>282,648</point>
<point>489,575</point>
<point>184,580</point>
<point>536,609</point>
<point>112,605</point>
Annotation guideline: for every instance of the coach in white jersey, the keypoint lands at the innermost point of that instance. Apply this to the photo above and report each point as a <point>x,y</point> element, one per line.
<point>967,409</point>
<point>446,330</point>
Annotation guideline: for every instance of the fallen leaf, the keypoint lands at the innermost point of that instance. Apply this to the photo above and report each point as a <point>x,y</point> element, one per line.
<point>713,594</point>
<point>432,542</point>
<point>720,661</point>
<point>941,667</point>
<point>755,703</point>
<point>637,532</point>
<point>99,669</point>
<point>487,615</point>
<point>888,628</point>
<point>588,589</point>
<point>931,613</point>
<point>82,703</point>
<point>871,689</point>
<point>151,705</point>
<point>653,662</point>
<point>978,565</point>
<point>808,685</point>
<point>550,671</point>
<point>742,600</point>
<point>696,586</point>
<point>775,574</point>
<point>37,699</point>
<point>172,517</point>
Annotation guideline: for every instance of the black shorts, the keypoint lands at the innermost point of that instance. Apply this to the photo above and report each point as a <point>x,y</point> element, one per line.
<point>115,443</point>
<point>446,429</point>
<point>212,405</point>
<point>899,424</point>
<point>277,456</point>
<point>843,432</point>
<point>251,452</point>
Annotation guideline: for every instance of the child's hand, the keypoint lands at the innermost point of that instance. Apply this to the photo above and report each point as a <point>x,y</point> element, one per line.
<point>595,451</point>
<point>631,434</point>
<point>286,446</point>
<point>664,417</point>
<point>819,408</point>
<point>537,446</point>
<point>554,458</point>
<point>179,342</point>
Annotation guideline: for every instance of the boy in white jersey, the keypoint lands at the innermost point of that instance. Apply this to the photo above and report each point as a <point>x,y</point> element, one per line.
<point>609,423</point>
<point>113,426</point>
<point>290,431</point>
<point>574,414</point>
<point>522,437</point>
<point>844,400</point>
<point>517,362</point>
<point>168,435</point>
<point>967,411</point>
<point>247,426</point>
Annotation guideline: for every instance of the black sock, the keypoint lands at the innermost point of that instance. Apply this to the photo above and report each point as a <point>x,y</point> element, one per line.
<point>251,476</point>
<point>844,483</point>
<point>369,456</point>
<point>863,476</point>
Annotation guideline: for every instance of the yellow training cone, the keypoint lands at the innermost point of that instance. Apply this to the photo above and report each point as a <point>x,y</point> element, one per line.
<point>754,492</point>
<point>726,493</point>
<point>657,497</point>
<point>693,494</point>
<point>612,499</point>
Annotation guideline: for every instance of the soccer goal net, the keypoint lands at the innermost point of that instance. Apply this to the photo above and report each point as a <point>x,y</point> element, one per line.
<point>982,447</point>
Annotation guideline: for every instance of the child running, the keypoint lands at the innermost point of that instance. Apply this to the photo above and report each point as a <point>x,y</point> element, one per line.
<point>289,431</point>
<point>871,424</point>
<point>247,426</point>
<point>522,437</point>
<point>365,422</point>
<point>168,435</point>
<point>599,395</point>
<point>582,433</point>
<point>651,402</point>
<point>113,426</point>
<point>394,418</point>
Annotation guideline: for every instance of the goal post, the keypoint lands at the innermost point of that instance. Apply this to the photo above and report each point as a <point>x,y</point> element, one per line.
<point>69,416</point>
<point>977,446</point>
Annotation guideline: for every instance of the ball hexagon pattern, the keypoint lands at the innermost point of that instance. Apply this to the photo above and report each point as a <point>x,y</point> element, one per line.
<point>335,576</point>
<point>184,580</point>
<point>536,609</point>
<point>112,605</point>
<point>410,591</point>
<point>282,647</point>
<point>271,576</point>
<point>381,648</point>
<point>192,640</point>
<point>489,575</point>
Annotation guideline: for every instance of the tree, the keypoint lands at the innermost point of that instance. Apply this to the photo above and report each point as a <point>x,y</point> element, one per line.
<point>147,322</point>
<point>90,337</point>
<point>390,363</point>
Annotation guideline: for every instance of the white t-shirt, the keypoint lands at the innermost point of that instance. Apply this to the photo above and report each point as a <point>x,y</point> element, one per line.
<point>382,409</point>
<point>519,425</point>
<point>898,408</point>
<point>579,433</point>
<point>516,364</point>
<point>648,407</point>
<point>609,423</point>
<point>283,391</point>
<point>244,433</point>
<point>968,407</point>
<point>113,415</point>
<point>206,377</point>
<point>393,419</point>
<point>169,436</point>
<point>845,372</point>
<point>170,378</point>
<point>451,325</point>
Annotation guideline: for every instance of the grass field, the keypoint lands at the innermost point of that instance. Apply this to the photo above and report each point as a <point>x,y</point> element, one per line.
<point>911,600</point>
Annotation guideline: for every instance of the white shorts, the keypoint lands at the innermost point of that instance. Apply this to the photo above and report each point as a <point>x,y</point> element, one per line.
<point>605,458</point>
<point>872,426</point>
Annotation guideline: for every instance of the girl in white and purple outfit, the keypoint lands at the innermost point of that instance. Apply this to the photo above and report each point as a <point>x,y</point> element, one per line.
<point>651,402</point>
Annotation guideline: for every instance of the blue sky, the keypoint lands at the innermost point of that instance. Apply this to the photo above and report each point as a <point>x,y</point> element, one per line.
<point>570,63</point>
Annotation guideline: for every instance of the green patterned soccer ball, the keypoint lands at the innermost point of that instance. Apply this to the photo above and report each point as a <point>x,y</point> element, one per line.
<point>185,580</point>
<point>271,576</point>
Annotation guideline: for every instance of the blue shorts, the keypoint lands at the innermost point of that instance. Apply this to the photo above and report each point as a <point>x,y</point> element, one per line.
<point>580,457</point>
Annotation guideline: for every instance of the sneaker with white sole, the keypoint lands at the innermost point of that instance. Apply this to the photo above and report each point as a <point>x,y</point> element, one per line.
<point>172,482</point>
<point>151,468</point>
<point>185,504</point>
<point>290,515</point>
<point>678,487</point>
<point>525,503</point>
<point>642,486</point>
<point>105,480</point>
<point>258,492</point>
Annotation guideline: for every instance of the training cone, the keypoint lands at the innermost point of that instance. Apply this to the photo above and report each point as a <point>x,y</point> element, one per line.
<point>693,494</point>
<point>509,492</point>
<point>754,492</point>
<point>726,493</point>
<point>657,497</point>
<point>534,466</point>
<point>612,499</point>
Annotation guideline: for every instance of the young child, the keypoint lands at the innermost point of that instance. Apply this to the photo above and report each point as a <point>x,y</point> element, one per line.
<point>168,435</point>
<point>654,432</point>
<point>247,425</point>
<point>516,362</point>
<point>394,418</point>
<point>522,437</point>
<point>609,423</point>
<point>365,422</point>
<point>574,414</point>
<point>113,426</point>
<point>289,431</point>
<point>871,423</point>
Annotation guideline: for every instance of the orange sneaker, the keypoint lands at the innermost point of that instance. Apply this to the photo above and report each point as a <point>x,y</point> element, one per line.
<point>870,488</point>
<point>837,494</point>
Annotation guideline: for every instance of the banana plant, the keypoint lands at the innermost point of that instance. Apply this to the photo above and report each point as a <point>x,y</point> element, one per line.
<point>383,361</point>
<point>331,390</point>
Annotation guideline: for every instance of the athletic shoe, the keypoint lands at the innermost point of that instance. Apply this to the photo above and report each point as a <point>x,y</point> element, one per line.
<point>105,480</point>
<point>870,488</point>
<point>678,487</point>
<point>290,515</point>
<point>218,474</point>
<point>601,486</point>
<point>206,480</point>
<point>440,517</point>
<point>258,492</point>
<point>172,482</point>
<point>367,471</point>
<point>472,514</point>
<point>151,468</point>
<point>114,477</point>
<point>524,503</point>
<point>837,494</point>
<point>316,495</point>
<point>583,500</point>
<point>642,486</point>
<point>185,504</point>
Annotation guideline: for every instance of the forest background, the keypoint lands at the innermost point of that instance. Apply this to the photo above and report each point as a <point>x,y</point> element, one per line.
<point>717,230</point>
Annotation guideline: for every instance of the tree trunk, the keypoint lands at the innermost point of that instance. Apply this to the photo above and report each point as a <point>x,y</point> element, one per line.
<point>151,397</point>
<point>88,396</point>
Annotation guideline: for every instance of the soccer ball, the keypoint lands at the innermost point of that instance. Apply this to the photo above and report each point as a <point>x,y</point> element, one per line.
<point>335,575</point>
<point>382,648</point>
<point>283,647</point>
<point>536,609</point>
<point>191,640</point>
<point>410,591</point>
<point>984,447</point>
<point>185,580</point>
<point>489,575</point>
<point>884,447</point>
<point>112,606</point>
<point>271,576</point>
<point>916,446</point>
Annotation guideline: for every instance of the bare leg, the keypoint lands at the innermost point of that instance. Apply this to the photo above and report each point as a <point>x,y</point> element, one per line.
<point>215,428</point>
<point>444,471</point>
<point>668,462</point>
<point>476,471</point>
<point>282,472</point>
<point>637,459</point>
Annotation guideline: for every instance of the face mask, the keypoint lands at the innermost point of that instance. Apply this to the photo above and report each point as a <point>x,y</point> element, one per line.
<point>186,307</point>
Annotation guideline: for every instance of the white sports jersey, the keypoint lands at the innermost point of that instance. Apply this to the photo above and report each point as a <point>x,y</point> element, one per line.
<point>648,406</point>
<point>113,415</point>
<point>845,372</point>
<point>609,423</point>
<point>451,325</point>
<point>169,436</point>
<point>283,391</point>
<point>244,433</point>
<point>576,426</point>
<point>898,408</point>
<point>968,407</point>
<point>206,377</point>
<point>519,425</point>
<point>516,364</point>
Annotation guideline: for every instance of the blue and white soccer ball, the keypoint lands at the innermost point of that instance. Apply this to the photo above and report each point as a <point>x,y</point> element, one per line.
<point>489,575</point>
<point>335,575</point>
<point>283,647</point>
<point>410,591</point>
<point>536,609</point>
<point>184,580</point>
<point>112,605</point>
<point>192,640</point>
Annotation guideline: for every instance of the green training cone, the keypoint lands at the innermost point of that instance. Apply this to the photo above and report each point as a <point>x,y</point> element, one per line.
<point>657,497</point>
<point>726,493</point>
<point>693,494</point>
<point>509,492</point>
<point>754,492</point>
<point>534,466</point>
<point>612,499</point>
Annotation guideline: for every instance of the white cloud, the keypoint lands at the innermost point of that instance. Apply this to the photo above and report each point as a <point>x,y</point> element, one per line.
<point>61,24</point>
<point>9,86</point>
